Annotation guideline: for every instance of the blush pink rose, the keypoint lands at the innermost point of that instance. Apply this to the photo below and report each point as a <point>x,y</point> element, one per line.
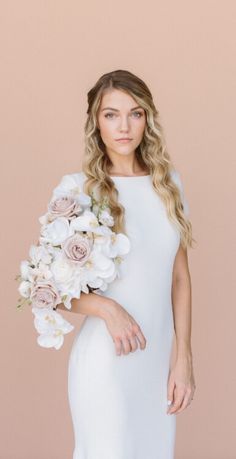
<point>64,206</point>
<point>44,295</point>
<point>77,248</point>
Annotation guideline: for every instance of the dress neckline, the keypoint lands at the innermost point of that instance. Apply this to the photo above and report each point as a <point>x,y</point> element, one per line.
<point>123,176</point>
<point>129,176</point>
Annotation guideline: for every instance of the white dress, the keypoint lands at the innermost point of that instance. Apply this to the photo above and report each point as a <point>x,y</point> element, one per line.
<point>118,403</point>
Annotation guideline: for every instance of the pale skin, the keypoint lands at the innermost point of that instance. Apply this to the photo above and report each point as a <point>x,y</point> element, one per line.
<point>119,116</point>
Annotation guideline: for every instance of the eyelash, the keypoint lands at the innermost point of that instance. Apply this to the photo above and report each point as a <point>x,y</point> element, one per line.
<point>140,113</point>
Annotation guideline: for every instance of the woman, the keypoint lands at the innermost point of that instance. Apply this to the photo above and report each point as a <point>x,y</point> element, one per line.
<point>124,394</point>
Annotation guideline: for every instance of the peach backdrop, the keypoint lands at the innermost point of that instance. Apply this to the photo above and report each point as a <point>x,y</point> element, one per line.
<point>52,53</point>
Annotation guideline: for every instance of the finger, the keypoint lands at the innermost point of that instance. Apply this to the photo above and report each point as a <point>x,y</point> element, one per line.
<point>141,339</point>
<point>118,344</point>
<point>178,398</point>
<point>170,393</point>
<point>185,403</point>
<point>126,345</point>
<point>133,343</point>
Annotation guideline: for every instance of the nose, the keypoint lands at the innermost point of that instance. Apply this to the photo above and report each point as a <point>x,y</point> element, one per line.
<point>124,124</point>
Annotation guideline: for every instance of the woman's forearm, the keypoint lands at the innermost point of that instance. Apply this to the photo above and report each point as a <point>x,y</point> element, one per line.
<point>90,304</point>
<point>182,310</point>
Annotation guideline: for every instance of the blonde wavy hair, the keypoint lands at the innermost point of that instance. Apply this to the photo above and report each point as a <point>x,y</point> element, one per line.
<point>151,154</point>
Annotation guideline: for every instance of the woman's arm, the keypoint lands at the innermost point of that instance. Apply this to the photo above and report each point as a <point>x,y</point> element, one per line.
<point>91,304</point>
<point>182,304</point>
<point>181,381</point>
<point>122,327</point>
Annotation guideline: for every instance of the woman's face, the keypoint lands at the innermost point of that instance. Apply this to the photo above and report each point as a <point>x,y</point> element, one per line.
<point>119,117</point>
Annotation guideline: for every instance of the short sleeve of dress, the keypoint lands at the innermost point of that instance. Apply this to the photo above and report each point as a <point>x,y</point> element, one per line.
<point>177,179</point>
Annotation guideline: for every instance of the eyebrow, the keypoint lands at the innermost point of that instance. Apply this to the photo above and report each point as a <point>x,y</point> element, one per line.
<point>115,109</point>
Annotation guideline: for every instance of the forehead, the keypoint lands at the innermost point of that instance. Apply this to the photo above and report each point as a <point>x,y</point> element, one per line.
<point>118,99</point>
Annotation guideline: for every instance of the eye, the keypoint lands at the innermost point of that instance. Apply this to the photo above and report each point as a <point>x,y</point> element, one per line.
<point>108,115</point>
<point>139,114</point>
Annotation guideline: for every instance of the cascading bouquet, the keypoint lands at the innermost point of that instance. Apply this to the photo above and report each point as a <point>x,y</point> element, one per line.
<point>77,252</point>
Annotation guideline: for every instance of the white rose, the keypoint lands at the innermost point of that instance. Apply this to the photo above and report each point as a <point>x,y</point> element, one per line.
<point>63,272</point>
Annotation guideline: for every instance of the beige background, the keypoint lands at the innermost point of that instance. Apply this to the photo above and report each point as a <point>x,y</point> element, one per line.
<point>52,52</point>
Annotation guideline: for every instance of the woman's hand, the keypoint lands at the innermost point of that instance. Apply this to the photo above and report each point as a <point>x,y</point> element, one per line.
<point>181,385</point>
<point>124,330</point>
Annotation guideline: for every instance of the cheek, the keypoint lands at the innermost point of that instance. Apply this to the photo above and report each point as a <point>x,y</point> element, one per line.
<point>107,130</point>
<point>139,128</point>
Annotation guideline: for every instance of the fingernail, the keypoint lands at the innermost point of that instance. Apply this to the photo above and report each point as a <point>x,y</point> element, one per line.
<point>169,402</point>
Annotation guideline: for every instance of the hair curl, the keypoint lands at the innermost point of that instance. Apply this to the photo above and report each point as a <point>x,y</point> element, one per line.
<point>151,154</point>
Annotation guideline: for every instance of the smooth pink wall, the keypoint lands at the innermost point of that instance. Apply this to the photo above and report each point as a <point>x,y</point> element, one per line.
<point>52,53</point>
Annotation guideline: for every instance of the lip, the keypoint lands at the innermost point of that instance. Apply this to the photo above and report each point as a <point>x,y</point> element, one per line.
<point>124,139</point>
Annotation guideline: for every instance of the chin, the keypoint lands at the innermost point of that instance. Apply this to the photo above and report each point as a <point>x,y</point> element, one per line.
<point>123,147</point>
<point>124,151</point>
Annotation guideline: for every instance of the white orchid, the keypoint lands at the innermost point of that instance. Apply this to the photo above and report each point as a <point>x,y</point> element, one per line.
<point>97,268</point>
<point>86,222</point>
<point>57,231</point>
<point>39,253</point>
<point>25,288</point>
<point>105,218</point>
<point>51,327</point>
<point>116,246</point>
<point>70,185</point>
<point>25,269</point>
<point>30,271</point>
